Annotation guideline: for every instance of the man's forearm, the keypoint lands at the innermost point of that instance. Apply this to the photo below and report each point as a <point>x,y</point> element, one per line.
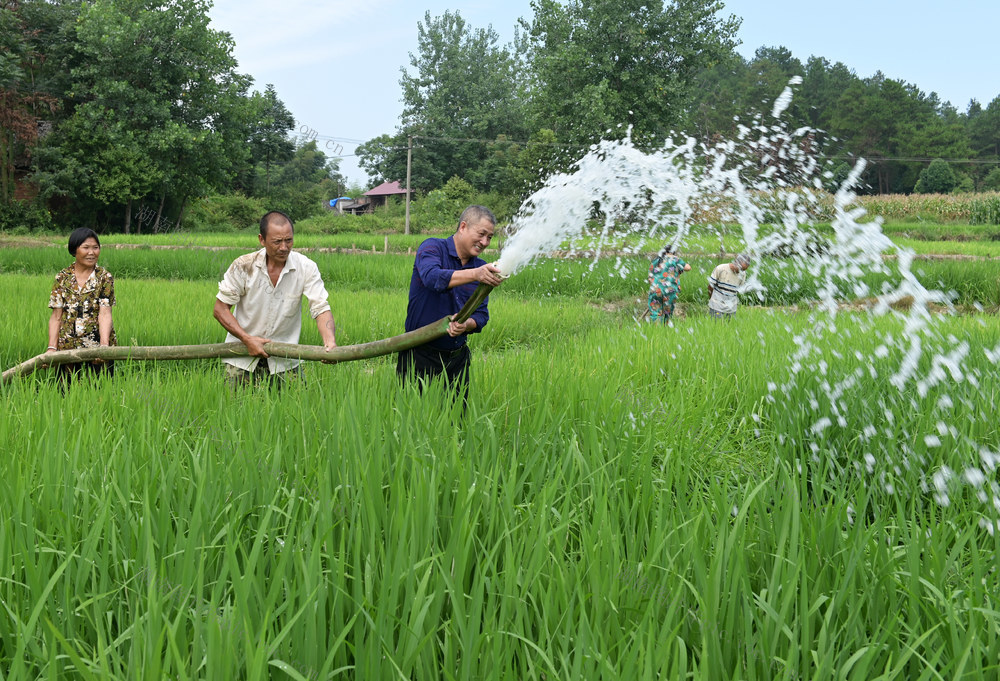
<point>327,328</point>
<point>224,315</point>
<point>459,277</point>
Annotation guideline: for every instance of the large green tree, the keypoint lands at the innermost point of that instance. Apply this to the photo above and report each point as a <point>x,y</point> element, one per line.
<point>599,66</point>
<point>301,185</point>
<point>889,122</point>
<point>271,121</point>
<point>984,130</point>
<point>383,158</point>
<point>152,108</point>
<point>22,105</point>
<point>462,87</point>
<point>822,85</point>
<point>937,178</point>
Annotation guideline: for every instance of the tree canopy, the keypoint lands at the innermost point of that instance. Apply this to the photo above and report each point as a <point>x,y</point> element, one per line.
<point>598,67</point>
<point>145,107</point>
<point>594,69</point>
<point>463,87</point>
<point>113,107</point>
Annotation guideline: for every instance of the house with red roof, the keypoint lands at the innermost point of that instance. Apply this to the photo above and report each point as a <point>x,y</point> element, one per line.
<point>369,201</point>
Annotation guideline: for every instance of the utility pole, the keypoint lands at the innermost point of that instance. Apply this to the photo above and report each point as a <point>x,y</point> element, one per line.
<point>409,161</point>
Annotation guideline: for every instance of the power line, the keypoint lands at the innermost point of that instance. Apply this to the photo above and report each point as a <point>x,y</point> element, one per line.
<point>836,157</point>
<point>913,159</point>
<point>846,157</point>
<point>501,141</point>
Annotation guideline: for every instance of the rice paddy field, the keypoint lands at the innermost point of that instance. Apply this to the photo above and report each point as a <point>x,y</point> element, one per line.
<point>618,501</point>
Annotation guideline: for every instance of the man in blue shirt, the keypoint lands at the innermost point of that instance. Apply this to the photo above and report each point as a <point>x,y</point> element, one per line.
<point>446,272</point>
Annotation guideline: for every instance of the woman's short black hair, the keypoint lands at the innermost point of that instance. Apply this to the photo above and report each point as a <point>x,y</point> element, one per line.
<point>79,236</point>
<point>669,249</point>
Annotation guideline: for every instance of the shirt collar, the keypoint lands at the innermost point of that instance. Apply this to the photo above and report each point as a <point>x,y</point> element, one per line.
<point>261,262</point>
<point>453,252</point>
<point>92,277</point>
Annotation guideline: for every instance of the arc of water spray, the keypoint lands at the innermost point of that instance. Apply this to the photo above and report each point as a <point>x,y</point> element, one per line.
<point>347,353</point>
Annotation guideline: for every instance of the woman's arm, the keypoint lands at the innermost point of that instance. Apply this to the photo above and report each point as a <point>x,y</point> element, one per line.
<point>104,323</point>
<point>54,321</point>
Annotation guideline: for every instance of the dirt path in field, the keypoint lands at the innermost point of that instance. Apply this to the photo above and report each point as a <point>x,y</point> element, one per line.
<point>32,242</point>
<point>308,249</point>
<point>730,256</point>
<point>637,310</point>
<point>563,255</point>
<point>26,242</point>
<point>29,242</point>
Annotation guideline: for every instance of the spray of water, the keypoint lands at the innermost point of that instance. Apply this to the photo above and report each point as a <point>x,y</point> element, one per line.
<point>770,182</point>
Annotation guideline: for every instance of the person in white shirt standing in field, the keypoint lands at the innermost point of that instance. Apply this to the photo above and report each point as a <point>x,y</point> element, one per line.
<point>267,288</point>
<point>724,286</point>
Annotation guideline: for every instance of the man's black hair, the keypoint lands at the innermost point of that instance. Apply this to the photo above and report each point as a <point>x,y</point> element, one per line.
<point>80,235</point>
<point>274,216</point>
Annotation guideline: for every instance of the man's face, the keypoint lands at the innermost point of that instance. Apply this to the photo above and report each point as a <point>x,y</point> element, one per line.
<point>278,242</point>
<point>473,238</point>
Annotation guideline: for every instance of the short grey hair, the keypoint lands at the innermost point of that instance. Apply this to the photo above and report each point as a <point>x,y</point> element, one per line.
<point>742,259</point>
<point>474,214</point>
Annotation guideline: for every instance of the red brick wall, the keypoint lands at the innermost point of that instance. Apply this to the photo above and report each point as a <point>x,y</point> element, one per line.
<point>24,190</point>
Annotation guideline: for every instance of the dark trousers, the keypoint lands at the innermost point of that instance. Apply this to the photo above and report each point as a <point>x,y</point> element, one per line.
<point>424,363</point>
<point>68,373</point>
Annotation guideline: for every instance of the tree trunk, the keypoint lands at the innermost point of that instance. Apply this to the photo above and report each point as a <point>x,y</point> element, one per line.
<point>128,217</point>
<point>180,214</point>
<point>6,169</point>
<point>159,212</point>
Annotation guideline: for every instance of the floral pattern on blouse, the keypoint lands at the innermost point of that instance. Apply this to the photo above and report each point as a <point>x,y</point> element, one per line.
<point>664,276</point>
<point>78,327</point>
<point>664,285</point>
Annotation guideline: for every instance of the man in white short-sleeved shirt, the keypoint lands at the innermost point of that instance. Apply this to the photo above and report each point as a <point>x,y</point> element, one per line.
<point>267,287</point>
<point>724,287</point>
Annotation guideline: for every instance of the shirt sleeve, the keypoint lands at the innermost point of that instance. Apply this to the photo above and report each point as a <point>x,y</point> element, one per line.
<point>233,285</point>
<point>106,295</point>
<point>56,300</point>
<point>314,291</point>
<point>428,264</point>
<point>713,279</point>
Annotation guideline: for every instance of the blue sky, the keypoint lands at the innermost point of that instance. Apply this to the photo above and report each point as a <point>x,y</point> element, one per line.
<point>336,64</point>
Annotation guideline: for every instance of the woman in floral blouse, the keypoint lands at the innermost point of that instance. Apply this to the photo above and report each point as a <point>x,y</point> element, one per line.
<point>81,301</point>
<point>664,284</point>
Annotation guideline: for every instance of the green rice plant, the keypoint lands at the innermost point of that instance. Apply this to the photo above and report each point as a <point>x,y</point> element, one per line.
<point>611,280</point>
<point>618,501</point>
<point>972,249</point>
<point>931,231</point>
<point>243,240</point>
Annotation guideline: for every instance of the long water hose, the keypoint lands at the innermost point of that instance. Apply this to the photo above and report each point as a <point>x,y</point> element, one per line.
<point>347,353</point>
